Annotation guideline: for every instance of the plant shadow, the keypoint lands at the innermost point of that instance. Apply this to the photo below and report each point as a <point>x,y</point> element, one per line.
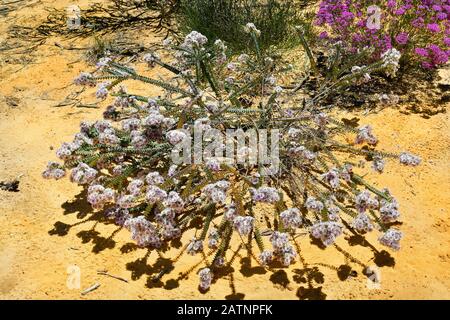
<point>309,278</point>
<point>85,215</point>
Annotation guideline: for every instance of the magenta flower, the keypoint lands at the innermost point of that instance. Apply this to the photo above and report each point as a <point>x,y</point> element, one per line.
<point>361,23</point>
<point>438,56</point>
<point>421,52</point>
<point>433,27</point>
<point>323,35</point>
<point>426,65</point>
<point>391,3</point>
<point>400,11</point>
<point>441,16</point>
<point>357,37</point>
<point>418,23</point>
<point>437,7</point>
<point>402,38</point>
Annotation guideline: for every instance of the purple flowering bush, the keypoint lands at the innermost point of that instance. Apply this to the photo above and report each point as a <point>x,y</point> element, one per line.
<point>419,29</point>
<point>124,160</point>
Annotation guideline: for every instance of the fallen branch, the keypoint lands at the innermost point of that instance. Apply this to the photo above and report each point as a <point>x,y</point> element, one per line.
<point>90,289</point>
<point>105,273</point>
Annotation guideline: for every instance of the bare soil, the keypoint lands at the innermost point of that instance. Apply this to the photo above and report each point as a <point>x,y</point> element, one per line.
<point>47,226</point>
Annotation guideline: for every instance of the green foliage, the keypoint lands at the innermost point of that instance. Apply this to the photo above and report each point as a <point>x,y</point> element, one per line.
<point>223,19</point>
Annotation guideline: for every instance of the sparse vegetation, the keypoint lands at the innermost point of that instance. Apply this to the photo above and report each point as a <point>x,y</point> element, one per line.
<point>223,19</point>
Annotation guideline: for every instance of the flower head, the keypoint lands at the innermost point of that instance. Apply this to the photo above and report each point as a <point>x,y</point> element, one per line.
<point>83,174</point>
<point>327,231</point>
<point>391,238</point>
<point>409,159</point>
<point>265,194</point>
<point>291,218</point>
<point>53,171</point>
<point>365,135</point>
<point>205,276</point>
<point>251,28</point>
<point>143,232</point>
<point>362,223</point>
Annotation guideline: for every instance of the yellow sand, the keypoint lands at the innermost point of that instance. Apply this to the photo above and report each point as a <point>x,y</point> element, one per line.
<point>35,253</point>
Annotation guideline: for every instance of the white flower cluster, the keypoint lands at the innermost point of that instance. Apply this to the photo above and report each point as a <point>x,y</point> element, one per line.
<point>243,225</point>
<point>303,153</point>
<point>389,211</point>
<point>138,139</point>
<point>388,99</point>
<point>84,79</point>
<point>155,194</point>
<point>314,205</point>
<point>102,90</point>
<point>67,149</point>
<point>98,196</point>
<point>195,246</point>
<point>53,171</point>
<point>230,212</point>
<point>194,40</point>
<point>364,201</point>
<point>265,194</point>
<point>331,177</point>
<point>166,219</point>
<point>251,28</point>
<point>282,250</point>
<point>106,133</point>
<point>346,172</point>
<point>362,223</point>
<point>103,62</point>
<point>243,58</point>
<point>119,215</point>
<point>216,192</point>
<point>135,187</point>
<point>409,159</point>
<point>213,164</point>
<point>151,59</point>
<point>124,102</point>
<point>205,276</point>
<point>156,120</point>
<point>154,178</point>
<point>326,231</point>
<point>365,135</point>
<point>391,238</point>
<point>378,163</point>
<point>221,51</point>
<point>176,136</point>
<point>83,174</point>
<point>321,119</point>
<point>357,69</point>
<point>174,201</point>
<point>391,60</point>
<point>266,257</point>
<point>291,218</point>
<point>213,238</point>
<point>126,201</point>
<point>143,232</point>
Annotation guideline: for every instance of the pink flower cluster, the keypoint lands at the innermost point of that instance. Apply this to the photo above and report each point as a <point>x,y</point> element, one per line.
<point>419,29</point>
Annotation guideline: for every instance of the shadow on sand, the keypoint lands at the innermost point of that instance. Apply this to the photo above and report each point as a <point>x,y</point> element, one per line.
<point>308,277</point>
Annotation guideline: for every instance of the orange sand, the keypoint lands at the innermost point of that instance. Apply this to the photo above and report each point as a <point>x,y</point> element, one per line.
<point>35,252</point>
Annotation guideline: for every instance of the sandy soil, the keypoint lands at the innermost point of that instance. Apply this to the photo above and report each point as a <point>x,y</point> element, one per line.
<point>46,227</point>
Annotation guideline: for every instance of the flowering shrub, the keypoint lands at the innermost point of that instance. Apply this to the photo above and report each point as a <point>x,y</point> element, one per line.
<point>420,29</point>
<point>124,161</point>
